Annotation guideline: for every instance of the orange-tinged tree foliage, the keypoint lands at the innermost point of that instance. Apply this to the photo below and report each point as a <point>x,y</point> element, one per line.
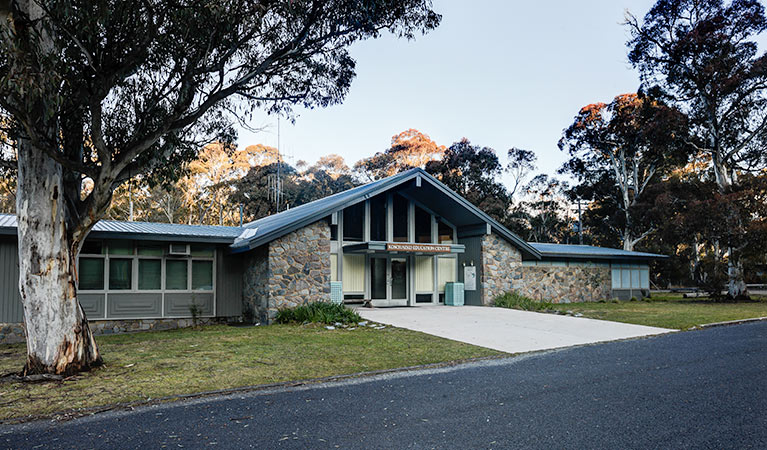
<point>410,148</point>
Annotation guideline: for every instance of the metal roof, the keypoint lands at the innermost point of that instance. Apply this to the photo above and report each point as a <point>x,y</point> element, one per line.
<point>147,230</point>
<point>272,227</point>
<point>588,252</point>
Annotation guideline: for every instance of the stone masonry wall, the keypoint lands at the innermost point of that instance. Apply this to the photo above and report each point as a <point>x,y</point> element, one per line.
<point>560,284</point>
<point>500,261</point>
<point>255,285</point>
<point>14,332</point>
<point>290,271</point>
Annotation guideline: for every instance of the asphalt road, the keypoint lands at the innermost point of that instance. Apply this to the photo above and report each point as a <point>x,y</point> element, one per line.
<point>699,389</point>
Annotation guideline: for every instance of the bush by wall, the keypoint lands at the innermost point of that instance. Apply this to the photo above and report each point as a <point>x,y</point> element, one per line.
<point>515,300</point>
<point>319,312</point>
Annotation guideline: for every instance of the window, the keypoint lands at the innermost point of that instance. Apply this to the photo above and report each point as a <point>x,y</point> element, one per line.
<point>422,226</point>
<point>447,271</point>
<point>354,216</point>
<point>120,273</point>
<point>334,267</point>
<point>333,232</point>
<point>400,218</point>
<point>150,249</point>
<point>92,248</point>
<point>176,274</point>
<point>120,247</point>
<point>91,273</point>
<point>149,274</point>
<point>625,276</point>
<point>444,233</point>
<point>353,273</point>
<point>202,251</point>
<point>202,275</point>
<point>378,218</point>
<point>424,274</point>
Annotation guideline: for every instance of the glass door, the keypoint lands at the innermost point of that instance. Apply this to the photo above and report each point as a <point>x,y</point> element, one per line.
<point>388,278</point>
<point>379,279</point>
<point>398,277</point>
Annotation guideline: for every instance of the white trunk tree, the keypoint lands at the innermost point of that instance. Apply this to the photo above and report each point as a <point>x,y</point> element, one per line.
<point>106,90</point>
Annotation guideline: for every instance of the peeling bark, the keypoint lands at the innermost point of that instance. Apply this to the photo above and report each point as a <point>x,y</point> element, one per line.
<point>59,340</point>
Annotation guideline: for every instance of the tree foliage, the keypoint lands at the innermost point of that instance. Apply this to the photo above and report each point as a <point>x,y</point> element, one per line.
<point>616,150</point>
<point>408,149</point>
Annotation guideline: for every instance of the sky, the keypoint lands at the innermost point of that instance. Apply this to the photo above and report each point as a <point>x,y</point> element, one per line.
<point>501,73</point>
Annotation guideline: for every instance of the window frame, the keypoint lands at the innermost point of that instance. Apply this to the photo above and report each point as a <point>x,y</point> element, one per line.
<point>134,289</point>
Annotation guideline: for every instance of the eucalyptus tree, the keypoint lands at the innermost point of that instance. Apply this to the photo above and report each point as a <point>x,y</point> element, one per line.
<point>702,56</point>
<point>617,149</point>
<point>108,89</point>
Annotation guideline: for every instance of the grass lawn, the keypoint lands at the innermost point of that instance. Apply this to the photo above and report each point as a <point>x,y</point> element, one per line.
<point>670,311</point>
<point>144,366</point>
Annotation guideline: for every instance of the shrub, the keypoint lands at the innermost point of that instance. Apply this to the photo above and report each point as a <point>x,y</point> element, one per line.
<point>319,312</point>
<point>515,300</point>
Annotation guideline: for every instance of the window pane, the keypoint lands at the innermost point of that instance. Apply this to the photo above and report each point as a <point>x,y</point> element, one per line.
<point>616,278</point>
<point>91,274</point>
<point>635,279</point>
<point>378,218</point>
<point>626,278</point>
<point>334,267</point>
<point>92,248</point>
<point>422,226</point>
<point>447,269</point>
<point>400,218</point>
<point>150,249</point>
<point>424,273</point>
<point>202,250</point>
<point>175,274</point>
<point>444,233</point>
<point>120,247</point>
<point>120,273</point>
<point>149,272</point>
<point>353,218</point>
<point>202,275</point>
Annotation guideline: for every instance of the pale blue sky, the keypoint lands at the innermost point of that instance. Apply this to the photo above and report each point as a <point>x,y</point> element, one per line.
<point>501,73</point>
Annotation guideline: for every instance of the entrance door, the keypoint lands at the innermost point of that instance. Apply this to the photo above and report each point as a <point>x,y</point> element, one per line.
<point>398,278</point>
<point>388,280</point>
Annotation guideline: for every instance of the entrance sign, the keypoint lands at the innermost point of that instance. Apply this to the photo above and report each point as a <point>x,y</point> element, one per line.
<point>426,248</point>
<point>469,278</point>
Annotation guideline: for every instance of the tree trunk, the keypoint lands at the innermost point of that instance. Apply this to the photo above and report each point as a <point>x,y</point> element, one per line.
<point>59,340</point>
<point>736,284</point>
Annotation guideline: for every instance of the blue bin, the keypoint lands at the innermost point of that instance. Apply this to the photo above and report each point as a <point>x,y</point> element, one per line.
<point>454,294</point>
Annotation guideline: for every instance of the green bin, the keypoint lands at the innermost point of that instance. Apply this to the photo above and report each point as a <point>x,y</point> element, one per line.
<point>454,294</point>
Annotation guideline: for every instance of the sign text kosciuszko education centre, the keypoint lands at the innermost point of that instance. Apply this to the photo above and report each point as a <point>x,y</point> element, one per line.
<point>396,247</point>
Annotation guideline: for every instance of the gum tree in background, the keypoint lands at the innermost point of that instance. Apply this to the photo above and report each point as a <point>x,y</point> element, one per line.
<point>702,57</point>
<point>616,151</point>
<point>106,90</point>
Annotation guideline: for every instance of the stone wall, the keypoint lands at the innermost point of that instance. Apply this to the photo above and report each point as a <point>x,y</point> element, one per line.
<point>290,271</point>
<point>14,332</point>
<point>563,284</point>
<point>255,285</point>
<point>500,261</point>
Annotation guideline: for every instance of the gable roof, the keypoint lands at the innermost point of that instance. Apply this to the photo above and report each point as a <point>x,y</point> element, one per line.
<point>571,251</point>
<point>272,227</point>
<point>147,230</point>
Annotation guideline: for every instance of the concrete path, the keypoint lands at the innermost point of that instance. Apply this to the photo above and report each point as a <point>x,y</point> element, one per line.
<point>507,330</point>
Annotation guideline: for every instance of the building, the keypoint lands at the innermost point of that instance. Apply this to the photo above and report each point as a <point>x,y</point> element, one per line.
<point>394,242</point>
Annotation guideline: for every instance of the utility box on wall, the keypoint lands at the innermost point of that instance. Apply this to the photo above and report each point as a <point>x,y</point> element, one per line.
<point>336,292</point>
<point>454,294</point>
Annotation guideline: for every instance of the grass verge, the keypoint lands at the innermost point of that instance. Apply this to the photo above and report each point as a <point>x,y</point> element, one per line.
<point>662,310</point>
<point>671,311</point>
<point>150,365</point>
